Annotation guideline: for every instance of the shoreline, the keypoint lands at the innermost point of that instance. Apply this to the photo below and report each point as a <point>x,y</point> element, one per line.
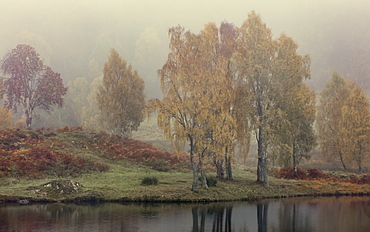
<point>196,197</point>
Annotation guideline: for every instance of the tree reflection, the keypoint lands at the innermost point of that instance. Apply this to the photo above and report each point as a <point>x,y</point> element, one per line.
<point>287,215</point>
<point>262,210</point>
<point>295,216</point>
<point>220,216</point>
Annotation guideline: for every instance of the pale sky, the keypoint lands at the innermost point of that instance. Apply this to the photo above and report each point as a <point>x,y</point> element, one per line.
<point>72,34</point>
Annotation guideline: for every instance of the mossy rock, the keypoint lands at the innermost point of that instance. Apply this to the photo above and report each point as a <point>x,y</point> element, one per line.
<point>58,187</point>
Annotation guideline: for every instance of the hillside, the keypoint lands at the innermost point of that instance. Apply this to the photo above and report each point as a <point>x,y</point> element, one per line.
<point>70,164</point>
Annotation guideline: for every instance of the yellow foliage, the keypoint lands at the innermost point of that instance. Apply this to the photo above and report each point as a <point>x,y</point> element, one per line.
<point>5,117</point>
<point>21,123</point>
<point>356,127</point>
<point>121,97</point>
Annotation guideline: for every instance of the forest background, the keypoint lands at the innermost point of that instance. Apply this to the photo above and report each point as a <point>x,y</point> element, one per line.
<point>75,39</point>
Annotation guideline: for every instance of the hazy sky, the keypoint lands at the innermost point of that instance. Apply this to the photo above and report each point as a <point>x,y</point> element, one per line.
<point>73,35</point>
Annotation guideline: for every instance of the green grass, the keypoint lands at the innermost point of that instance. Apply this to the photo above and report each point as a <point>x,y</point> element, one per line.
<point>123,183</point>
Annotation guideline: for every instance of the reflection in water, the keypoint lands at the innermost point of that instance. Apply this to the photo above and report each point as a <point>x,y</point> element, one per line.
<point>262,210</point>
<point>301,214</point>
<point>221,218</point>
<point>295,216</point>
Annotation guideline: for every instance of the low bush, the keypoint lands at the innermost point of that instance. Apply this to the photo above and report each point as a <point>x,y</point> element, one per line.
<point>158,164</point>
<point>67,129</point>
<point>314,173</point>
<point>38,161</point>
<point>149,181</point>
<point>365,179</point>
<point>290,173</point>
<point>211,181</point>
<point>117,148</point>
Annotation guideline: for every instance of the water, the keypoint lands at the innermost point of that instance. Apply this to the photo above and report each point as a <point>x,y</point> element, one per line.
<point>299,214</point>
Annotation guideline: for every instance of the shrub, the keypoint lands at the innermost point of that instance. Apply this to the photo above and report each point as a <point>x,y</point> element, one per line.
<point>149,181</point>
<point>117,148</point>
<point>289,173</point>
<point>158,164</point>
<point>67,129</point>
<point>365,179</point>
<point>211,181</point>
<point>314,173</point>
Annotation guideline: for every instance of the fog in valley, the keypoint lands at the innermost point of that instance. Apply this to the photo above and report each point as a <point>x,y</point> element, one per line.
<point>75,37</point>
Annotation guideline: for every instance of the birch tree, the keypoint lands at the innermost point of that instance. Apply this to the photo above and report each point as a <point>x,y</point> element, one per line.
<point>29,83</point>
<point>256,51</point>
<point>330,118</point>
<point>121,98</point>
<point>268,70</point>
<point>193,108</point>
<point>294,105</point>
<point>356,127</point>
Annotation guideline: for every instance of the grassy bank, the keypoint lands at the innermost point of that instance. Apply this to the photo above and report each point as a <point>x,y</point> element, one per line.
<point>121,181</point>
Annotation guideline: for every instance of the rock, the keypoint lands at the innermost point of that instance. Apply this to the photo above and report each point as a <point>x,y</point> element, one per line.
<point>63,186</point>
<point>23,202</point>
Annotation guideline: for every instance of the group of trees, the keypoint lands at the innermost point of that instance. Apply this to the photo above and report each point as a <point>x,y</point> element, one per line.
<point>343,122</point>
<point>31,85</point>
<point>220,88</point>
<point>224,84</point>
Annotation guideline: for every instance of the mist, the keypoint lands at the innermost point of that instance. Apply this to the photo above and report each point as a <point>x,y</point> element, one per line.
<point>75,37</point>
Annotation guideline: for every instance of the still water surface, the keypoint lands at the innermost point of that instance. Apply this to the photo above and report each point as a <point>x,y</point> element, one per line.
<point>341,214</point>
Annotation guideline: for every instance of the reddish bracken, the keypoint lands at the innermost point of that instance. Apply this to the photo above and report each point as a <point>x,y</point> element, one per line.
<point>290,173</point>
<point>116,148</point>
<point>26,153</point>
<point>314,173</point>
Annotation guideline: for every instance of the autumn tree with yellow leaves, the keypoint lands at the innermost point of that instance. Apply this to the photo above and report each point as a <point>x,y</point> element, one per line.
<point>356,127</point>
<point>343,121</point>
<point>330,118</point>
<point>222,85</point>
<point>120,98</point>
<point>294,106</point>
<point>197,95</point>
<point>5,117</point>
<point>270,72</point>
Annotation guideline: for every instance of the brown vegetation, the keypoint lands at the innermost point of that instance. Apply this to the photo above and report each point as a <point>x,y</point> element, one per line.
<point>29,154</point>
<point>43,152</point>
<point>117,148</point>
<point>316,174</point>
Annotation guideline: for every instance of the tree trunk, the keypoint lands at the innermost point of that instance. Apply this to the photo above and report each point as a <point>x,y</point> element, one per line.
<point>28,118</point>
<point>195,173</point>
<point>194,167</point>
<point>202,172</point>
<point>294,161</point>
<point>219,168</point>
<point>229,173</point>
<point>265,174</point>
<point>262,176</point>
<point>342,160</point>
<point>260,158</point>
<point>359,164</point>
